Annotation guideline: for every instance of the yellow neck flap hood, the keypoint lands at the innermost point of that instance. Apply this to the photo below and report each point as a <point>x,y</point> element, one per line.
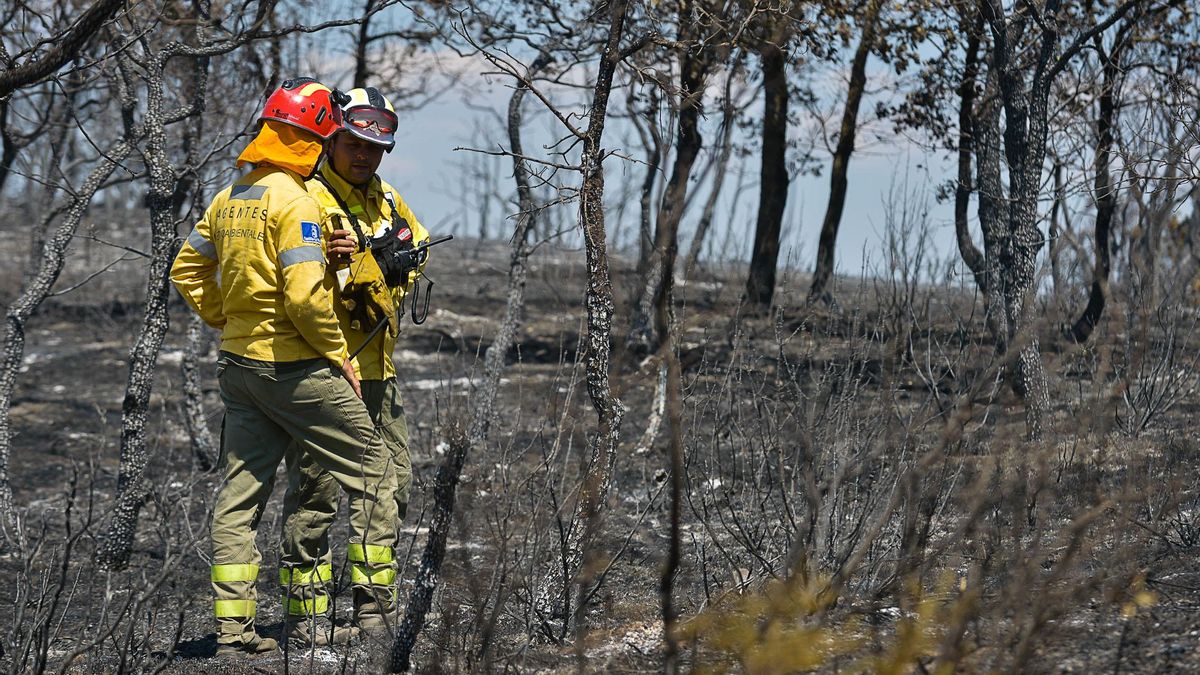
<point>284,146</point>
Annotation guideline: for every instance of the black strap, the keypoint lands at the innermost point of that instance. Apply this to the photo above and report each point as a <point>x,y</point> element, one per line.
<point>362,239</point>
<point>358,232</point>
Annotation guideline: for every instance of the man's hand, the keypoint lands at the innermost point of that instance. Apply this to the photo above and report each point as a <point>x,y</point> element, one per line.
<point>342,245</point>
<point>351,377</point>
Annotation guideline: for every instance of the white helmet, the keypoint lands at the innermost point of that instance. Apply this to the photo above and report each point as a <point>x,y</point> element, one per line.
<point>370,116</point>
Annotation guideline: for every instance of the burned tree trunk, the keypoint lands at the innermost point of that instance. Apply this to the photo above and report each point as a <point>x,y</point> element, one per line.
<point>1105,194</point>
<point>1057,209</point>
<point>838,181</point>
<point>728,112</point>
<point>572,578</point>
<point>1026,119</point>
<point>773,185</point>
<point>664,319</point>
<point>971,256</point>
<point>31,297</point>
<point>484,405</point>
<point>1025,66</point>
<point>652,140</point>
<point>132,490</point>
<point>204,447</point>
<point>116,544</point>
<point>644,335</point>
<point>993,208</point>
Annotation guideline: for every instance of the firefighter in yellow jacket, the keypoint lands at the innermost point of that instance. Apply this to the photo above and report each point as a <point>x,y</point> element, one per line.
<point>357,206</point>
<point>255,267</point>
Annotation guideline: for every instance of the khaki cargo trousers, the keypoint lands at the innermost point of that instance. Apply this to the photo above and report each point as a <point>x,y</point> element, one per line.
<point>308,409</point>
<point>310,507</point>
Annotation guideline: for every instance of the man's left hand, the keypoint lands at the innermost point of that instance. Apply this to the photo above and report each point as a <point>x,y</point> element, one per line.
<point>342,245</point>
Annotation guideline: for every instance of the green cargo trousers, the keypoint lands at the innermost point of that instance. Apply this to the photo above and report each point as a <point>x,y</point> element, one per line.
<point>310,408</point>
<point>310,506</point>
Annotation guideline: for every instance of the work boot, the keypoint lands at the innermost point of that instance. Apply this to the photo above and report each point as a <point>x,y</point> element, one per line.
<point>319,632</point>
<point>249,644</point>
<point>376,619</point>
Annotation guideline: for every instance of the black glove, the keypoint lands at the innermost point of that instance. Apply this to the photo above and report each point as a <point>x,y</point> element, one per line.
<point>396,254</point>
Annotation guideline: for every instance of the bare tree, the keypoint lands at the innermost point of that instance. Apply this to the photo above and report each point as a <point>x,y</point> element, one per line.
<point>774,180</point>
<point>1027,56</point>
<point>29,66</point>
<point>484,405</point>
<point>869,25</point>
<point>730,108</point>
<point>39,287</point>
<point>600,308</point>
<point>132,489</point>
<point>1113,73</point>
<point>972,25</point>
<point>699,40</point>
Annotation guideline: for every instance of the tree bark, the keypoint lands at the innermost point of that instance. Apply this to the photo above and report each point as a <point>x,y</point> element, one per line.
<point>971,256</point>
<point>993,208</point>
<point>116,544</point>
<point>31,297</point>
<point>599,304</point>
<point>773,184</point>
<point>1025,105</point>
<point>66,46</point>
<point>644,332</point>
<point>728,113</point>
<point>204,446</point>
<point>664,319</point>
<point>838,181</point>
<point>484,405</point>
<point>1105,195</point>
<point>1057,208</point>
<point>652,140</point>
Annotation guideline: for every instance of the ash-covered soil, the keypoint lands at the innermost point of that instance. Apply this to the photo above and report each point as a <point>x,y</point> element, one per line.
<point>740,417</point>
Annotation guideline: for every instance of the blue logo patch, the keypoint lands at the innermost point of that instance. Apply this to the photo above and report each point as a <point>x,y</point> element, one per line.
<point>310,232</point>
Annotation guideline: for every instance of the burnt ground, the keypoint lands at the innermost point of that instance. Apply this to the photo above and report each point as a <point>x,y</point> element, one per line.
<point>1073,605</point>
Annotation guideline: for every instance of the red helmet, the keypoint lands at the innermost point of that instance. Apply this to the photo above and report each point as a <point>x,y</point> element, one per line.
<point>303,102</point>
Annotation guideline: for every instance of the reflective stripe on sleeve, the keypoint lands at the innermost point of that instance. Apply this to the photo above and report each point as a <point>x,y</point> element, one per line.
<point>299,607</point>
<point>369,553</point>
<point>234,572</point>
<point>304,575</point>
<point>360,575</point>
<point>301,254</point>
<point>249,192</point>
<point>202,245</point>
<point>242,609</point>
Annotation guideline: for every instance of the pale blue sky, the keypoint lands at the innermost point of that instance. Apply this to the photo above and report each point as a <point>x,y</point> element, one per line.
<point>428,172</point>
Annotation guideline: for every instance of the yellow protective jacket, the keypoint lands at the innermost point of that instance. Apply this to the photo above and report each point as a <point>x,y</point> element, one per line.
<point>374,212</point>
<point>254,267</point>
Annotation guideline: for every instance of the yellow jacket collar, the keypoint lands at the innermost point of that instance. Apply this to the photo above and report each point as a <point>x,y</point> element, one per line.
<point>344,188</point>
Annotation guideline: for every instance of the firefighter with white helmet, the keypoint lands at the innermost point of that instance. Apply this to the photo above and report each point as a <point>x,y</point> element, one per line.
<point>255,267</point>
<point>365,212</point>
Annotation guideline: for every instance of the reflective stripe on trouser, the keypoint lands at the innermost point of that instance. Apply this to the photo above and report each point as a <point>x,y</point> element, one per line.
<point>373,574</point>
<point>270,407</point>
<point>312,497</point>
<point>235,605</point>
<point>306,588</point>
